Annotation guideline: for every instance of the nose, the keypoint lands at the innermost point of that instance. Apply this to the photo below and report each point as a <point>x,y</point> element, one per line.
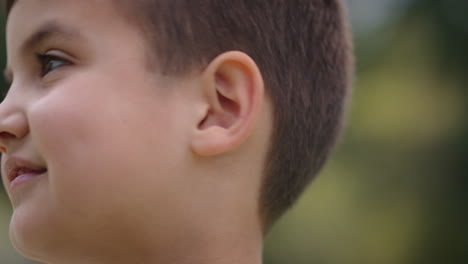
<point>13,125</point>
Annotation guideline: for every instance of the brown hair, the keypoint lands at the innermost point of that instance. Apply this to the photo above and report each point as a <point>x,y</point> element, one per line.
<point>303,50</point>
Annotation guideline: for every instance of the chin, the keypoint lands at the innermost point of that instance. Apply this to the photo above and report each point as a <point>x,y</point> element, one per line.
<point>21,242</point>
<point>28,236</point>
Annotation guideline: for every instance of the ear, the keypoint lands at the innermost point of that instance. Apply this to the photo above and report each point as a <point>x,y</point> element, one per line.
<point>233,92</point>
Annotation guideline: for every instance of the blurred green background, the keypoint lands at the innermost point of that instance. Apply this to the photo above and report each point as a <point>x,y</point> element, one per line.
<point>395,190</point>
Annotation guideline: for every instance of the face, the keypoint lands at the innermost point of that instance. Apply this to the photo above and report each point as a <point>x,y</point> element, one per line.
<point>94,138</point>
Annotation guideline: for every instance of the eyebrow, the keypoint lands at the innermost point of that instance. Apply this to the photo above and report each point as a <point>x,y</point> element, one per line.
<point>49,30</point>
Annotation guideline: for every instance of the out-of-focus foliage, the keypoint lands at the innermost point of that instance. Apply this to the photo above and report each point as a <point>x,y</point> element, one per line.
<point>394,193</point>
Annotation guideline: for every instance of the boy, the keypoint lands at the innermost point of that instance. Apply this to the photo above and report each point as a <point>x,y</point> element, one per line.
<point>162,131</point>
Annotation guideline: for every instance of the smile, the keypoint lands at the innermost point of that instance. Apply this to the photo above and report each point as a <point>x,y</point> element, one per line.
<point>19,171</point>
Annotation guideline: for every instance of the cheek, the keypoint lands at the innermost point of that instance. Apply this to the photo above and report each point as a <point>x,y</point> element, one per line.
<point>105,152</point>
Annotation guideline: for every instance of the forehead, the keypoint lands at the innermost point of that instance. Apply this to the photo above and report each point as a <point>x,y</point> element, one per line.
<point>26,14</point>
<point>97,20</point>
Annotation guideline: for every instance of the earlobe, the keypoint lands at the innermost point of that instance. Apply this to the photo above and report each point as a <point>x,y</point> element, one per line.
<point>233,91</point>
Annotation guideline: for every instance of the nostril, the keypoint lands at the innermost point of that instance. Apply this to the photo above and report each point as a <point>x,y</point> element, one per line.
<point>6,136</point>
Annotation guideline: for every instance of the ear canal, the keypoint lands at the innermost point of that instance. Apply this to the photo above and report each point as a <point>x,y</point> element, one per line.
<point>202,123</point>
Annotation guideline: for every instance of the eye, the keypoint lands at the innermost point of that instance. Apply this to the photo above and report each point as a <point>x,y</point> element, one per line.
<point>50,63</point>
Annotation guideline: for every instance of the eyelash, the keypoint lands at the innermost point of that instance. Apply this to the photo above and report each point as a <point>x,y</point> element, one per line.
<point>46,62</point>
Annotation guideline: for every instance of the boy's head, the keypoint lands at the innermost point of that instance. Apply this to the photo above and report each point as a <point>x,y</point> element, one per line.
<point>158,124</point>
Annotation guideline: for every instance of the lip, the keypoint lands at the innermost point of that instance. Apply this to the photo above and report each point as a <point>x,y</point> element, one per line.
<point>19,170</point>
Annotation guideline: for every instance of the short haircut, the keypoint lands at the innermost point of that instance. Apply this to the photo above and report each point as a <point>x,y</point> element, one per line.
<point>303,50</point>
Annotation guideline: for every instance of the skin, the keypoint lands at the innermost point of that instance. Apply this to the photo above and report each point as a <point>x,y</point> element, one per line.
<point>141,168</point>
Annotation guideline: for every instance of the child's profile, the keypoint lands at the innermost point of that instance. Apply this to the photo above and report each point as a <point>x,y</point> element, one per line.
<point>161,131</point>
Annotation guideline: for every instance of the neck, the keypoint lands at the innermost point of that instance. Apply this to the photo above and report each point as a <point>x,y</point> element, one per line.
<point>222,249</point>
